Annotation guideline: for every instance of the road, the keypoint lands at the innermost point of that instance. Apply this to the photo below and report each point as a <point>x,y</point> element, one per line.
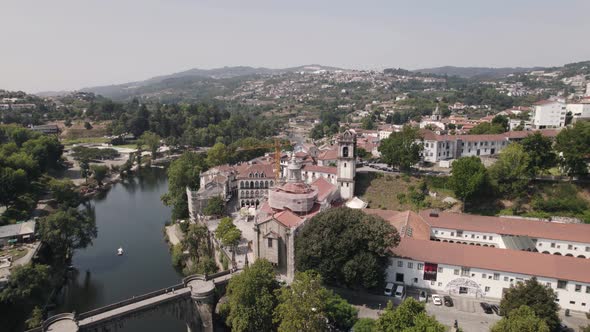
<point>467,311</point>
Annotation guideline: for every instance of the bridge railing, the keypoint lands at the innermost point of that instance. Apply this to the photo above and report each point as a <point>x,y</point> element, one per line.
<point>128,301</point>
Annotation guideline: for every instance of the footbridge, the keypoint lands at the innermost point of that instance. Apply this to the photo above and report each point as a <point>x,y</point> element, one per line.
<point>193,301</point>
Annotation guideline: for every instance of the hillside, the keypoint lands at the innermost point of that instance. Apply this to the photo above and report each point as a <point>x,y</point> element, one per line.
<point>210,82</point>
<point>476,72</point>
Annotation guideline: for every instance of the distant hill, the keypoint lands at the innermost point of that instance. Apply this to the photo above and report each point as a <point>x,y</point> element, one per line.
<point>476,72</point>
<point>187,81</point>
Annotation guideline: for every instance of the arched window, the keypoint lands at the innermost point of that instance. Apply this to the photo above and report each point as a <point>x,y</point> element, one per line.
<point>345,152</point>
<point>271,183</point>
<point>251,184</point>
<point>569,255</point>
<point>266,184</point>
<point>241,185</point>
<point>546,252</point>
<point>257,202</point>
<point>557,253</point>
<point>262,175</point>
<point>581,256</point>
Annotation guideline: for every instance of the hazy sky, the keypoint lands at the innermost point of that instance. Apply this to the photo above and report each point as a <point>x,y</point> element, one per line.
<point>70,44</point>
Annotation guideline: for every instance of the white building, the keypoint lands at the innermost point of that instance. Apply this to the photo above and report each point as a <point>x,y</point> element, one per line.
<point>448,147</point>
<point>549,114</point>
<point>478,256</point>
<point>346,164</point>
<point>580,110</point>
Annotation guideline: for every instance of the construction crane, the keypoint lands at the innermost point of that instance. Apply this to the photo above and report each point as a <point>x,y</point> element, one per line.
<point>277,146</point>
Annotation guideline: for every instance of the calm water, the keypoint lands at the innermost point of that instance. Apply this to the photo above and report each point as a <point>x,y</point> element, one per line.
<point>130,216</point>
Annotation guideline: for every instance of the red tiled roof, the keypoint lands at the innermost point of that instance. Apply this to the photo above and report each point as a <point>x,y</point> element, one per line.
<point>509,226</point>
<point>319,169</point>
<point>324,187</point>
<point>287,218</point>
<point>330,154</point>
<point>407,223</point>
<point>495,259</point>
<point>244,170</point>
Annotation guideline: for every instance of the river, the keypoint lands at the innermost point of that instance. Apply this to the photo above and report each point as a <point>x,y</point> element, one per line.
<point>130,215</point>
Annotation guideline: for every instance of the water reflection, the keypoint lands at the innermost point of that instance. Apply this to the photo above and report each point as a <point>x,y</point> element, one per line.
<point>131,215</point>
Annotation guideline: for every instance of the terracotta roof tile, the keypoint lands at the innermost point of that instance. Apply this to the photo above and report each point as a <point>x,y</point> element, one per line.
<point>495,259</point>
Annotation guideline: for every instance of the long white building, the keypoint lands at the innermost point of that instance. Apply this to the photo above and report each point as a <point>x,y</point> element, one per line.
<point>447,147</point>
<point>477,256</point>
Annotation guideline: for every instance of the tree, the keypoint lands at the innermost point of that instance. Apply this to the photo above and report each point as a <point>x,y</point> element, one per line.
<point>219,154</point>
<point>251,299</point>
<point>402,149</point>
<point>214,207</point>
<point>367,123</point>
<point>574,145</point>
<point>365,325</point>
<point>510,173</point>
<point>347,246</point>
<point>26,284</point>
<point>196,241</point>
<point>183,173</point>
<point>12,184</point>
<point>228,233</point>
<point>66,230</point>
<point>408,317</point>
<point>540,150</point>
<point>36,318</point>
<point>502,121</point>
<point>65,192</point>
<point>99,173</point>
<point>84,169</point>
<point>307,306</point>
<point>541,299</point>
<point>152,141</point>
<point>468,177</point>
<point>522,319</point>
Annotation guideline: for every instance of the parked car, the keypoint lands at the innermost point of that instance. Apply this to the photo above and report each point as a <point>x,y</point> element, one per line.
<point>437,299</point>
<point>486,308</point>
<point>495,309</point>
<point>423,296</point>
<point>400,291</point>
<point>448,301</point>
<point>388,289</point>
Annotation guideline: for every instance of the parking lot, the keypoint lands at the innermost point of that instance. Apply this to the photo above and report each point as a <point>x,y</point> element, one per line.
<point>467,311</point>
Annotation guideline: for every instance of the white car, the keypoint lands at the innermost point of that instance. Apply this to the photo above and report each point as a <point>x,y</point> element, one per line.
<point>388,289</point>
<point>437,299</point>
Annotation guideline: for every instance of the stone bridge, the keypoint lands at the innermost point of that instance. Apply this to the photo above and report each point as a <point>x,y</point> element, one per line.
<point>193,301</point>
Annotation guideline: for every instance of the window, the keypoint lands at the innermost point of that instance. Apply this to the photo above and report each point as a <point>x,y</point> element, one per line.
<point>459,233</point>
<point>496,276</point>
<point>587,249</point>
<point>439,284</point>
<point>270,243</point>
<point>415,280</point>
<point>452,233</point>
<point>440,270</point>
<point>505,278</point>
<point>435,232</point>
<point>473,236</point>
<point>420,266</point>
<point>483,275</point>
<point>491,238</point>
<point>410,265</point>
<point>578,288</point>
<point>552,244</point>
<point>456,272</point>
<point>485,237</point>
<point>561,284</point>
<point>572,302</point>
<point>432,283</point>
<point>400,264</point>
<point>570,247</point>
<point>465,271</point>
<point>548,284</point>
<point>487,289</point>
<point>587,289</point>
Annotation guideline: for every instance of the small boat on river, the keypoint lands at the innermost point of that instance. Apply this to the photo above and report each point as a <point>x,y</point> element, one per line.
<point>120,252</point>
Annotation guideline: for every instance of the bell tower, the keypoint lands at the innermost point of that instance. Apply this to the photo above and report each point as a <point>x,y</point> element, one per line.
<point>346,164</point>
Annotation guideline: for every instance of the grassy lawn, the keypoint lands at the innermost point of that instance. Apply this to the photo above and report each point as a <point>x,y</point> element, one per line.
<point>16,253</point>
<point>381,191</point>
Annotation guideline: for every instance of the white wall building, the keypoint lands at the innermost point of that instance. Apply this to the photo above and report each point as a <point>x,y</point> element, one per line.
<point>579,110</point>
<point>549,114</point>
<point>478,256</point>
